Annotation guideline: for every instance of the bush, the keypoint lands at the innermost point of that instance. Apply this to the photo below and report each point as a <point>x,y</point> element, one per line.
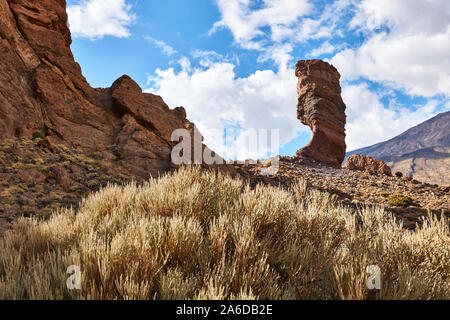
<point>398,200</point>
<point>268,164</point>
<point>38,135</point>
<point>201,235</point>
<point>398,174</point>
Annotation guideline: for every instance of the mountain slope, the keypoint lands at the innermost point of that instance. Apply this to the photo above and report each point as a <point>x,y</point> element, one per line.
<point>422,151</point>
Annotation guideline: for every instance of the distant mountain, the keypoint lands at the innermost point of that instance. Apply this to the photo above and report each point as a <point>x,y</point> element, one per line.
<point>423,151</point>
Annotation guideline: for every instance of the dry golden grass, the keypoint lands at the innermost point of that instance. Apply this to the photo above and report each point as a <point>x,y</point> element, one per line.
<point>201,235</point>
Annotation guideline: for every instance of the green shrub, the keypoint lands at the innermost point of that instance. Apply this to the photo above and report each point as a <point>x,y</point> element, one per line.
<point>385,194</point>
<point>398,174</point>
<point>399,200</point>
<point>38,135</point>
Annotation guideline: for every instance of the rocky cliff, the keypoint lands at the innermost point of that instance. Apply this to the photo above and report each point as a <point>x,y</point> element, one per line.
<point>320,106</point>
<point>43,90</point>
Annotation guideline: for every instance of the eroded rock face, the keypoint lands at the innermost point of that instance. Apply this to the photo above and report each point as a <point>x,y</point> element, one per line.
<point>42,89</point>
<point>321,107</point>
<point>365,163</point>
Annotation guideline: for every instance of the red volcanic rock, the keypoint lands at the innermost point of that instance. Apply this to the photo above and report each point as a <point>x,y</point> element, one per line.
<point>320,106</point>
<point>42,89</point>
<point>368,164</point>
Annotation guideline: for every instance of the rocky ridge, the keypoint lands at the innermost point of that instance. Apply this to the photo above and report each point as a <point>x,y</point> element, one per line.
<point>42,90</point>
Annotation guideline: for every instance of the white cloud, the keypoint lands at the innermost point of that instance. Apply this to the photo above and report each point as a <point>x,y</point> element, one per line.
<point>412,53</point>
<point>325,48</point>
<point>403,16</point>
<point>216,99</point>
<point>245,23</point>
<point>322,23</point>
<point>208,58</point>
<point>406,46</point>
<point>95,19</point>
<point>162,45</point>
<point>370,122</point>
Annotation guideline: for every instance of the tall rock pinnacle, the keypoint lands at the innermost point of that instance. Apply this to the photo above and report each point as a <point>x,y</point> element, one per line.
<point>321,107</point>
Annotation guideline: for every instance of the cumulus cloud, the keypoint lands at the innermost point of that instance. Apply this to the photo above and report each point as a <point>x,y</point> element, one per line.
<point>369,121</point>
<point>245,22</point>
<point>95,19</point>
<point>407,46</point>
<point>208,58</point>
<point>216,99</point>
<point>162,45</point>
<point>403,16</point>
<point>324,48</point>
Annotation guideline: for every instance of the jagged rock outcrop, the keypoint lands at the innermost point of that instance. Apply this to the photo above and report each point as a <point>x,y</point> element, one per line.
<point>368,164</point>
<point>43,90</point>
<point>321,107</point>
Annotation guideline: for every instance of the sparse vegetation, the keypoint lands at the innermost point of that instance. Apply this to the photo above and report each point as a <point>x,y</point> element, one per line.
<point>40,197</point>
<point>201,235</point>
<point>399,200</point>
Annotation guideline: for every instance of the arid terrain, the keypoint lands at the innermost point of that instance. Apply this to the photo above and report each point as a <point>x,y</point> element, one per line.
<point>358,188</point>
<point>87,179</point>
<point>36,181</point>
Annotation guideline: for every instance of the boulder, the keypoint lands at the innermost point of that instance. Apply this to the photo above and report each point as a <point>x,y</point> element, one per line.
<point>62,177</point>
<point>368,164</point>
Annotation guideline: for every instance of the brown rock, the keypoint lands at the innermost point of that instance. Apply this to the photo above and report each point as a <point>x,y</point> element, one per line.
<point>364,163</point>
<point>42,89</point>
<point>320,106</point>
<point>76,172</point>
<point>63,177</point>
<point>30,176</point>
<point>46,145</point>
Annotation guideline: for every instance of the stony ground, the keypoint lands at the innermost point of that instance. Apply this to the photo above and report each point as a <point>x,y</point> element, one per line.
<point>35,181</point>
<point>357,187</point>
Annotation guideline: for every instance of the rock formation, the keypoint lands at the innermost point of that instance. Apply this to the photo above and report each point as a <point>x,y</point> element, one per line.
<point>364,163</point>
<point>320,106</point>
<point>43,90</point>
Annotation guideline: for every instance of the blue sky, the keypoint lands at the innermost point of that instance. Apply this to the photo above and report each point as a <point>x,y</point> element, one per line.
<point>230,63</point>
